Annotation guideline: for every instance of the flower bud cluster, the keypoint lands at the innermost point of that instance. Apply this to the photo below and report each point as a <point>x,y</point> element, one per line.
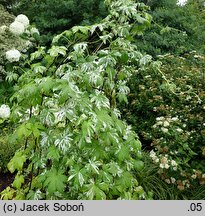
<point>164,162</point>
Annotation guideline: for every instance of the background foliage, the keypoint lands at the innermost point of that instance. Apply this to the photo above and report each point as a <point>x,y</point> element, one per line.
<point>54,16</point>
<point>175,29</point>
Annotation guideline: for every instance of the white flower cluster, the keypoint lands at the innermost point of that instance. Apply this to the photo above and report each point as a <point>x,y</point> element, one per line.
<point>4,111</point>
<point>194,176</point>
<point>154,157</point>
<point>23,19</point>
<point>186,183</point>
<point>179,130</point>
<point>164,123</point>
<point>173,180</point>
<point>165,163</point>
<point>181,2</point>
<point>174,164</point>
<point>181,184</point>
<point>13,55</point>
<point>198,57</point>
<point>16,28</point>
<point>19,25</point>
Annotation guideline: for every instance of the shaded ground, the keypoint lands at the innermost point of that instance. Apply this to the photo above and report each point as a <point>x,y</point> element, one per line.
<point>5,180</point>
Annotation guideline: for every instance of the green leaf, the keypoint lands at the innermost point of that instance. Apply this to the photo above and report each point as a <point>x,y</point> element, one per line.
<point>167,29</point>
<point>66,91</point>
<point>139,155</point>
<point>115,169</point>
<point>94,165</point>
<point>138,165</point>
<point>30,195</point>
<point>81,179</point>
<point>145,60</point>
<point>99,194</point>
<point>136,144</point>
<point>125,180</point>
<point>36,129</point>
<point>106,38</point>
<point>82,29</point>
<point>104,118</point>
<point>26,129</point>
<point>111,73</point>
<point>87,129</point>
<point>80,47</point>
<point>17,162</point>
<point>53,153</point>
<point>39,53</point>
<point>119,125</point>
<point>124,58</point>
<point>20,195</point>
<point>122,98</point>
<point>55,181</point>
<point>139,18</point>
<point>95,192</point>
<point>123,153</point>
<point>46,85</point>
<point>29,94</point>
<point>78,176</point>
<point>38,68</point>
<point>18,181</point>
<point>56,50</point>
<point>104,186</point>
<point>11,76</point>
<point>23,131</point>
<point>106,176</point>
<point>7,194</point>
<point>100,100</point>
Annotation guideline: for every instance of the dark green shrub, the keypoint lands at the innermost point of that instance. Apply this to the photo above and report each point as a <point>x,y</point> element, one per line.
<point>167,108</point>
<point>54,16</point>
<point>175,29</point>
